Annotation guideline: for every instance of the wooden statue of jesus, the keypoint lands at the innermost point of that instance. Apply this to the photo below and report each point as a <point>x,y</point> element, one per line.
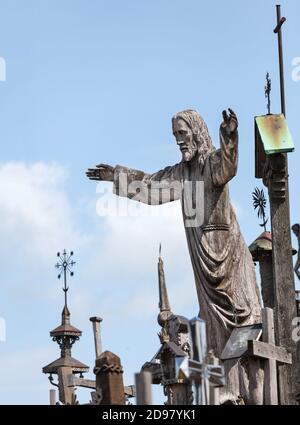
<point>223,267</point>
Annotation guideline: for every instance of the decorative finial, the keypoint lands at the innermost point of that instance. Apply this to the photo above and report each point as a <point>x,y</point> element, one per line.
<point>159,251</point>
<point>64,265</point>
<point>268,88</point>
<point>259,203</point>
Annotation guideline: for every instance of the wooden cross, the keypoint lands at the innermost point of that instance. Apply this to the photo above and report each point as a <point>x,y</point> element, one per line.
<point>272,354</point>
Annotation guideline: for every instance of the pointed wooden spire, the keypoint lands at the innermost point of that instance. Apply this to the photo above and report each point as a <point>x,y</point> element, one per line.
<point>164,305</point>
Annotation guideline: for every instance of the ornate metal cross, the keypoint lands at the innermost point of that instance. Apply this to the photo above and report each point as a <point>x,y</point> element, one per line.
<point>64,265</point>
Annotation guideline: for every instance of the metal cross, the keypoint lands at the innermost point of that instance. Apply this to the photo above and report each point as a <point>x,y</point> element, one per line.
<point>268,88</point>
<point>64,265</point>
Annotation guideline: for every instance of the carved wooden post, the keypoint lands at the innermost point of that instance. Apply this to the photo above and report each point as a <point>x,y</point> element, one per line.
<point>66,393</point>
<point>270,387</point>
<point>284,296</point>
<point>143,381</point>
<point>261,250</point>
<point>97,334</point>
<point>284,289</point>
<point>214,392</point>
<point>109,379</point>
<point>52,397</point>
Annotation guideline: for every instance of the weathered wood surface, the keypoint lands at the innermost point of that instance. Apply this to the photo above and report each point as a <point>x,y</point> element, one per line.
<point>143,382</point>
<point>267,285</point>
<point>270,369</point>
<point>283,277</point>
<point>214,392</point>
<point>72,381</point>
<point>268,351</point>
<point>97,334</point>
<point>109,379</point>
<point>52,397</point>
<point>66,393</point>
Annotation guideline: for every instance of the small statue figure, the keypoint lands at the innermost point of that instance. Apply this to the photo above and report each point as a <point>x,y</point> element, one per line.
<point>296,230</point>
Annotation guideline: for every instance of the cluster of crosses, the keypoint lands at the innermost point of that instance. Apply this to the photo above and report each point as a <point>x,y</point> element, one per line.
<point>181,365</point>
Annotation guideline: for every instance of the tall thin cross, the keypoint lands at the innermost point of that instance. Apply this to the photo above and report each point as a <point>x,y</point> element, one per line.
<point>283,274</point>
<point>268,88</point>
<point>277,30</point>
<point>64,265</point>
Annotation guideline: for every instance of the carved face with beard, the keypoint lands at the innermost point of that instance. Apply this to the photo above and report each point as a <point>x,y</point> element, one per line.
<point>184,139</point>
<point>191,135</point>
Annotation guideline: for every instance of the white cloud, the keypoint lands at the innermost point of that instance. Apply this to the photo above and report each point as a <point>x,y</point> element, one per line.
<point>22,380</point>
<point>35,214</point>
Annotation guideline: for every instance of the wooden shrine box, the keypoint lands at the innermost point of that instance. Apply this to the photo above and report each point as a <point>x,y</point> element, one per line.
<point>272,136</point>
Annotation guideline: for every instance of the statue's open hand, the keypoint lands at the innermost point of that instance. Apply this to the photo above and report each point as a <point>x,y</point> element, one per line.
<point>101,172</point>
<point>230,122</point>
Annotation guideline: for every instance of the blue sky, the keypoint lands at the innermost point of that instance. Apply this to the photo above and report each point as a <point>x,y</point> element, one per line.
<point>98,81</point>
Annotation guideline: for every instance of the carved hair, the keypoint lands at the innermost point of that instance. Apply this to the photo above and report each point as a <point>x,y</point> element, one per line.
<point>199,130</point>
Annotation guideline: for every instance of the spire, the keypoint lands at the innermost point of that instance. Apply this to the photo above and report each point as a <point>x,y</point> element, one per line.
<point>65,334</point>
<point>164,305</point>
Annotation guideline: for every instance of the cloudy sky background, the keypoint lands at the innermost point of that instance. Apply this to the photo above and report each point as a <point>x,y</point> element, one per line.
<point>97,81</point>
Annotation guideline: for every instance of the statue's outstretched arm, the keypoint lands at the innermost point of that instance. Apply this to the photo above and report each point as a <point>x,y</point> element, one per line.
<point>152,189</point>
<point>224,161</point>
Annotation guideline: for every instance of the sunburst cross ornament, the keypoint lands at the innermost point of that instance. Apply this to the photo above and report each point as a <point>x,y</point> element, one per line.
<point>260,203</point>
<point>64,265</point>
